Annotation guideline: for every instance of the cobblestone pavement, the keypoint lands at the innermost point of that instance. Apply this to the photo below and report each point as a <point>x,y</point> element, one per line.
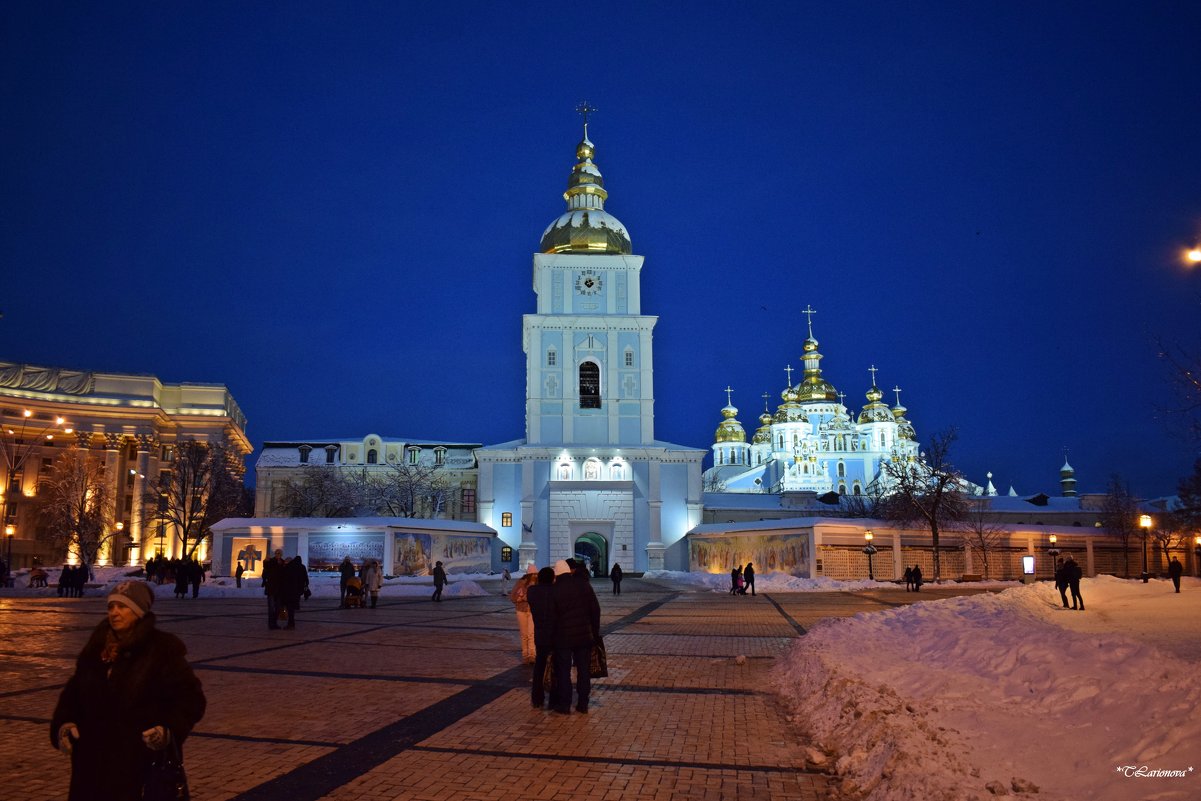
<point>417,700</point>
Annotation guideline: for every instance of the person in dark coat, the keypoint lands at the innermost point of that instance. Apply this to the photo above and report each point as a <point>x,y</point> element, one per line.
<point>346,572</point>
<point>541,600</point>
<point>748,576</point>
<point>908,579</point>
<point>1061,582</point>
<point>182,573</point>
<point>917,578</point>
<point>238,574</point>
<point>1175,571</point>
<point>577,627</point>
<point>196,576</point>
<point>439,581</point>
<point>132,693</point>
<point>272,580</point>
<point>295,580</point>
<point>615,575</point>
<point>735,580</point>
<point>1073,574</point>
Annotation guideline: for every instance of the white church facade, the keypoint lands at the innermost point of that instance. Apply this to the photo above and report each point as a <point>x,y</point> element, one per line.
<point>589,479</point>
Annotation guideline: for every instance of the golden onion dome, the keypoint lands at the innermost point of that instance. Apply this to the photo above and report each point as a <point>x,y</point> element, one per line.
<point>874,411</point>
<point>816,388</point>
<point>729,430</point>
<point>809,345</point>
<point>586,227</point>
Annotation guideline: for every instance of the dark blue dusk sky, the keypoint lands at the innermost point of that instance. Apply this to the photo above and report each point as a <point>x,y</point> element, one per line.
<point>332,207</point>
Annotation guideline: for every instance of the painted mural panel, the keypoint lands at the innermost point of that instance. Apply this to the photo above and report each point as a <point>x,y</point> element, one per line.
<point>249,552</point>
<point>326,551</point>
<point>417,552</point>
<point>784,553</point>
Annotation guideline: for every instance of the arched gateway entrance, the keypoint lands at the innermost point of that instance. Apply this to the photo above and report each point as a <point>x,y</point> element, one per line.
<point>594,549</point>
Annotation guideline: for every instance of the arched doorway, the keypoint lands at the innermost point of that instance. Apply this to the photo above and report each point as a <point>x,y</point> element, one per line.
<point>594,550</point>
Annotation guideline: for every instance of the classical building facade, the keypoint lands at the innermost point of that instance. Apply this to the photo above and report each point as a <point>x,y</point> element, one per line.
<point>451,464</point>
<point>131,422</point>
<point>589,478</point>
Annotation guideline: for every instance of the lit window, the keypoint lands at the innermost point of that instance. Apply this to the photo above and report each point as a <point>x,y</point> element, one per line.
<point>590,397</point>
<point>506,520</point>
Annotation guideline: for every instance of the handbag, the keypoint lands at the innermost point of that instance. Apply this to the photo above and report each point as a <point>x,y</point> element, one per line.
<point>165,779</point>
<point>598,664</point>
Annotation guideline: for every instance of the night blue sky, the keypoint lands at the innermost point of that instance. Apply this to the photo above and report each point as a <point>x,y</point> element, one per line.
<point>332,208</point>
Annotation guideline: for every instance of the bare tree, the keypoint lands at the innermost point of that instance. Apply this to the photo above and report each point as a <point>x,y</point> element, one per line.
<point>713,483</point>
<point>1184,374</point>
<point>870,503</point>
<point>321,492</point>
<point>981,531</point>
<point>1169,534</point>
<point>1189,493</point>
<point>929,490</point>
<point>409,490</point>
<point>75,505</point>
<point>1119,517</point>
<point>204,485</point>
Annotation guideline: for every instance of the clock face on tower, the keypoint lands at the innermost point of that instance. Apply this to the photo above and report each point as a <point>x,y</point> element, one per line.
<point>587,283</point>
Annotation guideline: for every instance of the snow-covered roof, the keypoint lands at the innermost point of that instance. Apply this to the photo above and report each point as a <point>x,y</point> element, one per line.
<point>351,523</point>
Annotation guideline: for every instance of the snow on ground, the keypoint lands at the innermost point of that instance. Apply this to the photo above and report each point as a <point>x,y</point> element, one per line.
<point>782,582</point>
<point>995,694</point>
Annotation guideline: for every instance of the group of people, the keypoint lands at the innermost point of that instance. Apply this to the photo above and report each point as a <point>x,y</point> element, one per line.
<point>284,582</point>
<point>1067,576</point>
<point>558,616</point>
<point>743,579</point>
<point>357,584</point>
<point>71,581</point>
<point>913,578</point>
<point>186,573</point>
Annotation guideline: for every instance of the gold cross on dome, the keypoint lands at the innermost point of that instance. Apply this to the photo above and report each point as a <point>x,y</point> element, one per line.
<point>898,391</point>
<point>729,400</point>
<point>873,371</point>
<point>584,109</point>
<point>765,398</point>
<point>809,311</point>
<point>788,369</point>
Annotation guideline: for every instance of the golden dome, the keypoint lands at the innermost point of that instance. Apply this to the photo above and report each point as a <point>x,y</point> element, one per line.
<point>586,227</point>
<point>730,430</point>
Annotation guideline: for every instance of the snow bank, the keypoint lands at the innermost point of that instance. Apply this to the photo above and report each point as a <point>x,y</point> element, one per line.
<point>782,582</point>
<point>1000,694</point>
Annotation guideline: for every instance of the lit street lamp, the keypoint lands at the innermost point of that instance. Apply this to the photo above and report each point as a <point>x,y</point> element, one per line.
<point>9,531</point>
<point>869,549</point>
<point>1144,522</point>
<point>1197,551</point>
<point>1053,551</point>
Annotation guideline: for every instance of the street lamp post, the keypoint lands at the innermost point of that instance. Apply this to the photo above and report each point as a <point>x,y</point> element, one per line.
<point>1197,552</point>
<point>1053,551</point>
<point>9,531</point>
<point>869,549</point>
<point>1144,522</point>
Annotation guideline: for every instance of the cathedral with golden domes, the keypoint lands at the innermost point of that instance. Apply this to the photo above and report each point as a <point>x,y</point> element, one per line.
<point>812,443</point>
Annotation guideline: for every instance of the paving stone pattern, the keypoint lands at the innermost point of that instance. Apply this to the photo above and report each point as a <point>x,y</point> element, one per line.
<point>417,700</point>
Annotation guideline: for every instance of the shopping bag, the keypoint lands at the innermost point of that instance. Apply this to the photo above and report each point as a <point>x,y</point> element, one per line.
<point>165,779</point>
<point>598,665</point>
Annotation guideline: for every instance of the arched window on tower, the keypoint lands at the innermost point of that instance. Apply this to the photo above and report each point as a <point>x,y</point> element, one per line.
<point>590,396</point>
<point>372,456</point>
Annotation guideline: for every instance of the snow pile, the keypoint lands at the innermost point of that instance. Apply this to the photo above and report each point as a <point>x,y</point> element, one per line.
<point>999,694</point>
<point>782,582</point>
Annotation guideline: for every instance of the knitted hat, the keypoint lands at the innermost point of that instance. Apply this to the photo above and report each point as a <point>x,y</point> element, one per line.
<point>562,568</point>
<point>532,568</point>
<point>137,595</point>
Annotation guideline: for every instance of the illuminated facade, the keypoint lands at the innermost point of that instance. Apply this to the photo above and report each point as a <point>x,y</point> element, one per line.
<point>131,422</point>
<point>589,478</point>
<point>812,443</point>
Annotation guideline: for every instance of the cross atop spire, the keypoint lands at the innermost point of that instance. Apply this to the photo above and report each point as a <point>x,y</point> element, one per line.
<point>584,109</point>
<point>842,398</point>
<point>898,391</point>
<point>765,398</point>
<point>729,399</point>
<point>873,370</point>
<point>788,369</point>
<point>809,311</point>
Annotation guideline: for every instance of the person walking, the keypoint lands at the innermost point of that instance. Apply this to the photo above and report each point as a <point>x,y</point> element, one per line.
<point>272,584</point>
<point>294,583</point>
<point>541,600</point>
<point>1073,574</point>
<point>1175,571</point>
<point>748,576</point>
<point>917,578</point>
<point>525,621</point>
<point>505,579</point>
<point>576,628</point>
<point>196,576</point>
<point>373,579</point>
<point>908,579</point>
<point>439,581</point>
<point>181,578</point>
<point>735,580</point>
<point>238,574</point>
<point>346,571</point>
<point>132,693</point>
<point>615,575</point>
<point>1061,582</point>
